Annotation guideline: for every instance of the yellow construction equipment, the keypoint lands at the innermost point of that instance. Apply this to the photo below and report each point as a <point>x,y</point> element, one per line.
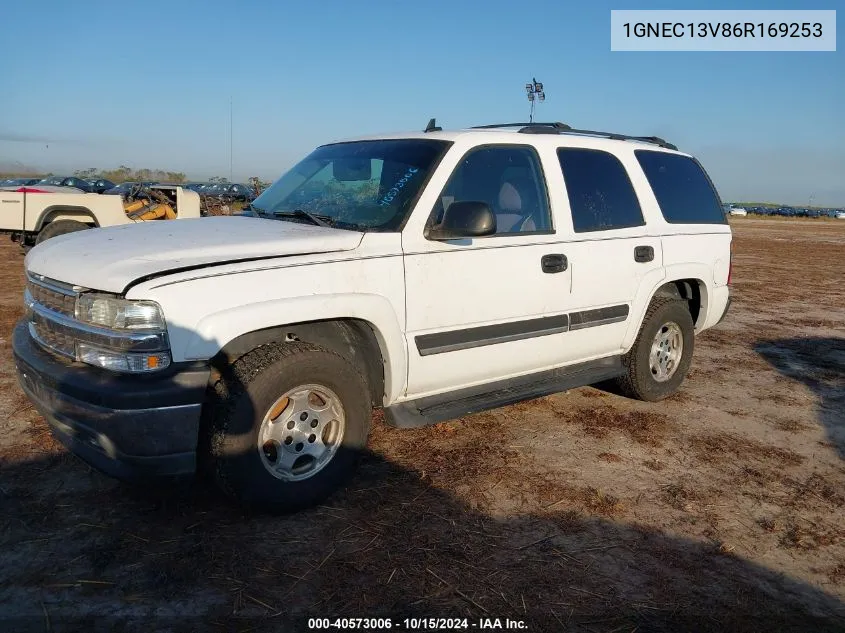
<point>155,207</point>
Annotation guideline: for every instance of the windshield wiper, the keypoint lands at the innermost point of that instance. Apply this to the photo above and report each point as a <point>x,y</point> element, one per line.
<point>261,213</point>
<point>318,220</point>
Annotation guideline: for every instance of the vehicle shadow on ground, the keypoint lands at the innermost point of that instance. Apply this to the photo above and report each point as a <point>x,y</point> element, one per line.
<point>81,552</point>
<point>818,363</point>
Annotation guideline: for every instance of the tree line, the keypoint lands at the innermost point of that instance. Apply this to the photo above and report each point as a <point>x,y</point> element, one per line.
<point>128,174</point>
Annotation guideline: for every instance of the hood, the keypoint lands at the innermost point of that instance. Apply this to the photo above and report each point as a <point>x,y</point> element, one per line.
<point>111,258</point>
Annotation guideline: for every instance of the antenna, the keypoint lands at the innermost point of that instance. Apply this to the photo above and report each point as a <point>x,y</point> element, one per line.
<point>535,92</point>
<point>432,126</point>
<point>230,138</point>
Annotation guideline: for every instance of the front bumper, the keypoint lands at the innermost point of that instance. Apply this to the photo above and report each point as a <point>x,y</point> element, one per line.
<point>133,428</point>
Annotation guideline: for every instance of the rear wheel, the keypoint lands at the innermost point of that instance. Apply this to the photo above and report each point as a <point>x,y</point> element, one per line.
<point>288,427</point>
<point>660,358</point>
<point>59,227</point>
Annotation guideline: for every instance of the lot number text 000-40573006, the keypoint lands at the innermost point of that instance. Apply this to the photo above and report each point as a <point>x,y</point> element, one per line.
<point>416,624</point>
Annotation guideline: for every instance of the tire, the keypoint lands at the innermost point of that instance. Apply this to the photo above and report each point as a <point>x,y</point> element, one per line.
<point>59,227</point>
<point>253,389</point>
<point>641,380</point>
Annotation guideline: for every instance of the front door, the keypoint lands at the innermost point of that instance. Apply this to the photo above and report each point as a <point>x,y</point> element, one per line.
<point>487,308</point>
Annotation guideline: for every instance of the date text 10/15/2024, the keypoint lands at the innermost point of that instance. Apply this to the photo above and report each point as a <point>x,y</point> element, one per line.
<point>413,624</point>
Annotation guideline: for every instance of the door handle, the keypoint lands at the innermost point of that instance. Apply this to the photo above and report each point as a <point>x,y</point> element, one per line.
<point>643,254</point>
<point>555,263</point>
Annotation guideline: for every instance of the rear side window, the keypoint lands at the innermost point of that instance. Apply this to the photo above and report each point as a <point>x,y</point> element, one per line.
<point>683,191</point>
<point>600,193</point>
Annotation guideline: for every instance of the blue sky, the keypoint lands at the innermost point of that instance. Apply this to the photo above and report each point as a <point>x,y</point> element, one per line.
<point>98,84</point>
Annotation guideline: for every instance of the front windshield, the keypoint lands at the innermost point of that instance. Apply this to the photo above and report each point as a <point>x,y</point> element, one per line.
<point>363,185</point>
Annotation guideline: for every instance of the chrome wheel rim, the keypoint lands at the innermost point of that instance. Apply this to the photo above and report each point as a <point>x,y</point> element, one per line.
<point>301,432</point>
<point>666,351</point>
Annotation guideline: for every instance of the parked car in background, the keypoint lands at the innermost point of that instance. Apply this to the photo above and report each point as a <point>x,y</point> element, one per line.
<point>101,185</point>
<point>125,187</point>
<point>67,181</point>
<point>18,182</point>
<point>230,191</point>
<point>196,186</point>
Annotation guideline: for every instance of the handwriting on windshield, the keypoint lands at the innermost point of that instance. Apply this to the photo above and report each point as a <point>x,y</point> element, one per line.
<point>399,186</point>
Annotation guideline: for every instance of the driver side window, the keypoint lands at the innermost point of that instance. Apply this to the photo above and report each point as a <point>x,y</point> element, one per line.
<point>509,180</point>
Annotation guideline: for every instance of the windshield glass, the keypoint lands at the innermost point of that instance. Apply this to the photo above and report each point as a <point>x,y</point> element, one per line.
<point>364,185</point>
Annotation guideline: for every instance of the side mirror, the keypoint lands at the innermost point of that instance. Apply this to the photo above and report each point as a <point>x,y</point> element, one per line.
<point>464,219</point>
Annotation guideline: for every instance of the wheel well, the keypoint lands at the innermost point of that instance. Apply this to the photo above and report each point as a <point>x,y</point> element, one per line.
<point>687,289</point>
<point>80,214</point>
<point>351,338</point>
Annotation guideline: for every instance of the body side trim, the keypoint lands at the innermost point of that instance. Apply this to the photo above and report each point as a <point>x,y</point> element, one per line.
<point>467,338</point>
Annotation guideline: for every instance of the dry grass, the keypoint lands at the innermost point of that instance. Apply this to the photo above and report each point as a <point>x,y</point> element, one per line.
<point>837,574</point>
<point>718,447</point>
<point>612,458</point>
<point>643,427</point>
<point>680,495</point>
<point>790,425</point>
<point>809,535</point>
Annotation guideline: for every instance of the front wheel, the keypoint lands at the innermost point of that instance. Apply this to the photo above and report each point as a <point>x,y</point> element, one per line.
<point>288,426</point>
<point>661,356</point>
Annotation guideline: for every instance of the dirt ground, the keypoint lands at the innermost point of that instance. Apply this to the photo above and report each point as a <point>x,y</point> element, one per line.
<point>721,509</point>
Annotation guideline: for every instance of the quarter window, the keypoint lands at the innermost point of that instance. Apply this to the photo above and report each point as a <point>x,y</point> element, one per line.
<point>682,189</point>
<point>600,193</point>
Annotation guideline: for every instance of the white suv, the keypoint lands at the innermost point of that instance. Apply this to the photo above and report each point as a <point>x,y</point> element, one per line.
<point>434,274</point>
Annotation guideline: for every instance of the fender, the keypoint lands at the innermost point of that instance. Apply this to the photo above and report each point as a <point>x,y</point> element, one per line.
<point>64,212</point>
<point>653,280</point>
<point>215,330</point>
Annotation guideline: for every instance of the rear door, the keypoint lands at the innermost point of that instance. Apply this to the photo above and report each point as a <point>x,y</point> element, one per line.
<point>696,236</point>
<point>611,251</point>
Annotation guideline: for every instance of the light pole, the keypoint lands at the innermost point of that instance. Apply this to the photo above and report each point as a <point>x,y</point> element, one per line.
<point>535,93</point>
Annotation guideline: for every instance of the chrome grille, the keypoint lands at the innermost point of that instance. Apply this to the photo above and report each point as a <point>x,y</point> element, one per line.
<point>57,297</point>
<point>53,300</point>
<point>53,295</point>
<point>54,341</point>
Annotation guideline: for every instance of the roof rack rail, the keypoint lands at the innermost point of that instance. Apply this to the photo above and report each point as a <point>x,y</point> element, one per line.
<point>654,140</point>
<point>563,128</point>
<point>556,125</point>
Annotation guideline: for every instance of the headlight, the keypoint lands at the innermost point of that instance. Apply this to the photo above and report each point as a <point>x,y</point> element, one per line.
<point>115,313</point>
<point>123,335</point>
